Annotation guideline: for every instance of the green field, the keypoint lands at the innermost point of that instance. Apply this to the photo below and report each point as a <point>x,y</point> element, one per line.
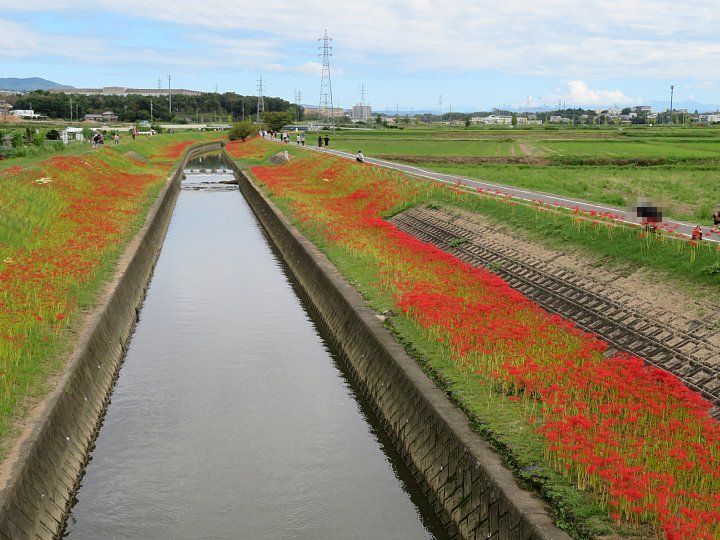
<point>678,168</point>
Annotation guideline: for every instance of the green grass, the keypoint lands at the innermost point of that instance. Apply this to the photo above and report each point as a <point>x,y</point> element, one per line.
<point>678,168</point>
<point>35,232</point>
<point>687,193</point>
<point>500,420</point>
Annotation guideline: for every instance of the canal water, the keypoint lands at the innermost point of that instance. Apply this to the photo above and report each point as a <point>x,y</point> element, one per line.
<point>232,416</point>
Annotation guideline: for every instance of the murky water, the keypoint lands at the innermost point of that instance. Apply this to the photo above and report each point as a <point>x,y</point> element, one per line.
<point>232,417</point>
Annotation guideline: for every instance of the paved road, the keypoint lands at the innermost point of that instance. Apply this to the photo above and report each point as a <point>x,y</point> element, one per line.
<point>517,193</point>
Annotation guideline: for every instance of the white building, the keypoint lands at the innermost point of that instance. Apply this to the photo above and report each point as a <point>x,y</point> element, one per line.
<point>502,119</point>
<point>712,118</point>
<point>361,113</point>
<point>26,113</point>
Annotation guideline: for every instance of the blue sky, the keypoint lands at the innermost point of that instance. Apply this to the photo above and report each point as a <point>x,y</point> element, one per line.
<point>476,54</point>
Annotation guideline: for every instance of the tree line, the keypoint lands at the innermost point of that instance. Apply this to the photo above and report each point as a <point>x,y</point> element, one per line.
<point>228,106</point>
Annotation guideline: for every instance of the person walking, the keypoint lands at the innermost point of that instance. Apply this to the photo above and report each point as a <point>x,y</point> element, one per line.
<point>319,141</point>
<point>116,138</point>
<point>327,140</point>
<point>716,220</point>
<point>359,157</point>
<point>302,139</point>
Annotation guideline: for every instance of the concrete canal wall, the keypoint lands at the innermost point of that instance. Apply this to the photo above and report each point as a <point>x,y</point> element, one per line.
<point>39,476</point>
<point>464,479</point>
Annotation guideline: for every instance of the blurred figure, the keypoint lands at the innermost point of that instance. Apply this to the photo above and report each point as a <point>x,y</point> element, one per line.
<point>716,220</point>
<point>359,157</point>
<point>649,215</point>
<point>697,233</point>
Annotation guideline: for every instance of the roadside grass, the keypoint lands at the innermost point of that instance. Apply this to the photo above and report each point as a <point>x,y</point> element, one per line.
<point>677,168</point>
<point>686,193</point>
<point>65,222</point>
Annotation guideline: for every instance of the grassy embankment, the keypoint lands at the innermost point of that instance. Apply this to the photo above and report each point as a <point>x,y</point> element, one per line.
<point>679,168</point>
<point>326,198</point>
<point>65,221</point>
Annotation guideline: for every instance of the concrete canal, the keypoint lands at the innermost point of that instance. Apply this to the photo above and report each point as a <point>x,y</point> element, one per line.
<point>232,416</point>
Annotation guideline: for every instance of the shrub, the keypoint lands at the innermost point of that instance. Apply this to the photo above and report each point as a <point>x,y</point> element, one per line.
<point>243,130</point>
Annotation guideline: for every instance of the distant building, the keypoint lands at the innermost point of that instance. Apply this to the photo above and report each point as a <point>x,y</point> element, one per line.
<point>27,113</point>
<point>74,133</point>
<point>644,109</point>
<point>107,116</point>
<point>502,119</point>
<point>124,91</point>
<point>712,118</point>
<point>317,112</point>
<point>556,119</point>
<point>361,113</point>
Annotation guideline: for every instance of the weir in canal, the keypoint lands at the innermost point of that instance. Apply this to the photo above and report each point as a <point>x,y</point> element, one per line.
<point>233,416</point>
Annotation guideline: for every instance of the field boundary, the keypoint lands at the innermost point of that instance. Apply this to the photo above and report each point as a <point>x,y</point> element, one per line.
<point>471,490</point>
<point>40,474</point>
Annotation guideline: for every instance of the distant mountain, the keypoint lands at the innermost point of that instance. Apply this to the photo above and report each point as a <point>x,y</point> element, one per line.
<point>13,84</point>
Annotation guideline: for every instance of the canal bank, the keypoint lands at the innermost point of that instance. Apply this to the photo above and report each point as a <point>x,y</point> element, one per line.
<point>232,417</point>
<point>40,472</point>
<point>461,477</point>
<point>475,495</point>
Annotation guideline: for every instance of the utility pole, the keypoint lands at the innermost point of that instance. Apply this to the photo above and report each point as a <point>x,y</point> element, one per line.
<point>71,110</point>
<point>151,112</point>
<point>440,110</point>
<point>672,91</point>
<point>261,99</point>
<point>326,95</point>
<point>169,98</point>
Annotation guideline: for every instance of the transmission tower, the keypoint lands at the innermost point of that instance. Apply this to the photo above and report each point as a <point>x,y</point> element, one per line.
<point>362,94</point>
<point>261,99</point>
<point>326,97</point>
<point>298,99</point>
<point>159,84</point>
<point>440,110</point>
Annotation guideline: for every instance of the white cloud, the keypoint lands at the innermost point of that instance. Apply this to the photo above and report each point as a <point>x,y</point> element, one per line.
<point>579,93</point>
<point>570,40</point>
<point>709,86</point>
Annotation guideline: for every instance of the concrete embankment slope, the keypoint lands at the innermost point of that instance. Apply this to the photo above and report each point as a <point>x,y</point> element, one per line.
<point>464,479</point>
<point>39,476</point>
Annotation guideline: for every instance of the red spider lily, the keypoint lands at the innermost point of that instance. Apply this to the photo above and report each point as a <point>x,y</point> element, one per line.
<point>632,433</point>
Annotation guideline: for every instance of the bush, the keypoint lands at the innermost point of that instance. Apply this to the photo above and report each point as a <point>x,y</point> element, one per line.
<point>242,130</point>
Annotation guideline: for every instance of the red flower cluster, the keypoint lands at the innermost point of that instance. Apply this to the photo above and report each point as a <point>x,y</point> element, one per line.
<point>632,433</point>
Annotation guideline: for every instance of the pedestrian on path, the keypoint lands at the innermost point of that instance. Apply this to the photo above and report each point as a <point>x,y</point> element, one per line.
<point>116,138</point>
<point>716,220</point>
<point>359,157</point>
<point>327,140</point>
<point>319,141</point>
<point>302,139</point>
<point>697,233</point>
